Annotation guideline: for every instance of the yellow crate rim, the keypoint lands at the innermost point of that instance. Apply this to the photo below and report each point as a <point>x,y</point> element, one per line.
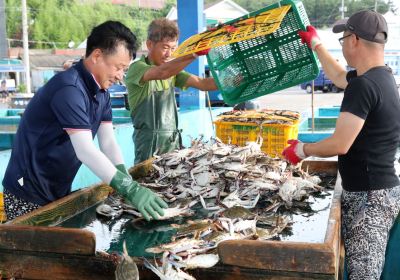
<point>257,25</point>
<point>296,123</point>
<point>257,115</point>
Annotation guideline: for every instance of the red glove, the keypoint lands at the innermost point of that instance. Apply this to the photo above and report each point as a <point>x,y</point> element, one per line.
<point>199,53</point>
<point>295,152</point>
<point>311,37</point>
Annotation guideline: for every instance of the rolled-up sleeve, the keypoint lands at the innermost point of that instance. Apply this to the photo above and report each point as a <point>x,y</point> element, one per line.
<point>181,79</point>
<point>136,72</point>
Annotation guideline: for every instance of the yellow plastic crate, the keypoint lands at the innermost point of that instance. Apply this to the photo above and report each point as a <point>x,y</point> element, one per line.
<point>2,214</point>
<point>243,28</point>
<point>275,136</point>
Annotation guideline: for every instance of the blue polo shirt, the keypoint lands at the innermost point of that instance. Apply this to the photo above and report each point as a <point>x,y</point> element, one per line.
<point>43,162</point>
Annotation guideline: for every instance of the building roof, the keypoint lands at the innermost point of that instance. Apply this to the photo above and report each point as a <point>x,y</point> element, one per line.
<point>230,2</point>
<point>209,5</point>
<point>47,60</point>
<point>211,12</point>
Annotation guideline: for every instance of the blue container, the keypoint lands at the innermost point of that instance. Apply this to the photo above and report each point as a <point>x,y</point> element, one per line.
<point>329,112</point>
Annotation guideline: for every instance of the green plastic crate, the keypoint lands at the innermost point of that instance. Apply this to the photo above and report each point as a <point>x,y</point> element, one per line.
<point>265,64</point>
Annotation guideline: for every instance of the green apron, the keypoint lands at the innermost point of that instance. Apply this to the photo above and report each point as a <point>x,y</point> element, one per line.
<point>156,124</point>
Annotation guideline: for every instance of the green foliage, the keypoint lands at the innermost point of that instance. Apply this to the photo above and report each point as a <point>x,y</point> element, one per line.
<point>326,12</point>
<point>323,12</point>
<point>72,20</point>
<point>22,88</point>
<point>62,21</point>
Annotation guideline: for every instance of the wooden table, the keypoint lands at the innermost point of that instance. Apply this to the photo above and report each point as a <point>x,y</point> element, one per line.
<point>32,248</point>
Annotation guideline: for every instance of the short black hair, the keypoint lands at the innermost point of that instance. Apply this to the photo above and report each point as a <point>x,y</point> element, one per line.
<point>107,37</point>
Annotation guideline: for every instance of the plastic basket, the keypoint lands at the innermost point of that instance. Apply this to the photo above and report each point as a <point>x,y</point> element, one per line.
<point>245,28</point>
<point>1,202</point>
<point>258,66</point>
<point>275,136</point>
<point>2,214</point>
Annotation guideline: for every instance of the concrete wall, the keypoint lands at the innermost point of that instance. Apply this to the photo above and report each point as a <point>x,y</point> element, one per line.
<point>191,122</point>
<point>37,79</point>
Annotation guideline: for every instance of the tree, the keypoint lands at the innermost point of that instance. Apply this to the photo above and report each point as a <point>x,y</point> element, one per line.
<point>62,21</point>
<point>323,12</point>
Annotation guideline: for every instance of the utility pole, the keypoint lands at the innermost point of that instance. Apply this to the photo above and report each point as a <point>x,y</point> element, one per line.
<point>26,47</point>
<point>3,31</point>
<point>342,9</point>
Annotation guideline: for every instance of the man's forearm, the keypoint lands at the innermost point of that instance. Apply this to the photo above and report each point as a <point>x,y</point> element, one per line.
<point>324,148</point>
<point>173,67</point>
<point>208,84</point>
<point>108,144</point>
<point>332,68</point>
<point>204,84</point>
<point>88,154</point>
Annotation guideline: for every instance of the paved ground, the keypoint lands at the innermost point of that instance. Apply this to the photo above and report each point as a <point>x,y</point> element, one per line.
<point>3,106</point>
<point>296,99</point>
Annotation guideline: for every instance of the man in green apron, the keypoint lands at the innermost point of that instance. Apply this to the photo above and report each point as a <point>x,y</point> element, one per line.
<point>150,83</point>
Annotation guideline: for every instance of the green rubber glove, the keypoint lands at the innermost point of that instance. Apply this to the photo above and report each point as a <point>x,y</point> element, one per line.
<point>142,198</point>
<point>121,167</point>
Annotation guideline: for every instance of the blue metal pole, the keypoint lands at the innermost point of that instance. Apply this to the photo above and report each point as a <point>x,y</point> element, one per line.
<point>190,20</point>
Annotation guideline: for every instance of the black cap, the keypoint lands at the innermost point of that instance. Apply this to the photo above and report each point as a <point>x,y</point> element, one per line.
<point>365,24</point>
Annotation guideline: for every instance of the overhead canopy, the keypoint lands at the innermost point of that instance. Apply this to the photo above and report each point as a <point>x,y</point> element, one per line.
<point>11,65</point>
<point>9,68</point>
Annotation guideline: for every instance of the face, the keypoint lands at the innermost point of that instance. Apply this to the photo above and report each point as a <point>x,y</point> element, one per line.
<point>108,69</point>
<point>161,52</point>
<point>346,47</point>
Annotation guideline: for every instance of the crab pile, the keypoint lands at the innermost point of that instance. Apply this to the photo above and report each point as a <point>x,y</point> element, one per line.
<point>241,187</point>
<point>282,117</point>
<point>232,175</point>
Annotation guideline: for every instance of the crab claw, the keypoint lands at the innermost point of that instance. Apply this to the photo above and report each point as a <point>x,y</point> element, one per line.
<point>201,137</point>
<point>254,203</point>
<point>205,207</point>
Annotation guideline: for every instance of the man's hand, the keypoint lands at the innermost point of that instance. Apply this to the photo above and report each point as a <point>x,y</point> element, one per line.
<point>200,53</point>
<point>295,152</point>
<point>311,37</point>
<point>142,198</point>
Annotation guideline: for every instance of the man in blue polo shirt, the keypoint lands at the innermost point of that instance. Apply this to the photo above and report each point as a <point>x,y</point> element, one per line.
<point>56,132</point>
